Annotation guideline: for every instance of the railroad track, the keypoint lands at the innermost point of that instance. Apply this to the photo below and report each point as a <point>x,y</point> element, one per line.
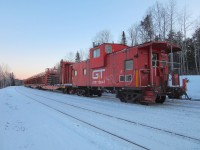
<point>188,108</point>
<point>87,123</point>
<point>182,106</point>
<point>191,109</point>
<point>122,119</point>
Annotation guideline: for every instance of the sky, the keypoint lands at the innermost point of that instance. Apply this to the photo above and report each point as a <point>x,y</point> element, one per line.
<point>37,34</point>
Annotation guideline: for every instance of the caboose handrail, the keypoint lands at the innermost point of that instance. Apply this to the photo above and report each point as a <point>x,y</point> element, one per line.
<point>161,64</point>
<point>167,62</point>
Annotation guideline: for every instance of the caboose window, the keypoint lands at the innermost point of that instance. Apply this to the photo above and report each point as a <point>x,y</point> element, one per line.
<point>154,60</point>
<point>108,49</point>
<point>128,78</point>
<point>96,53</point>
<point>84,71</point>
<point>128,64</point>
<point>75,73</point>
<point>121,78</point>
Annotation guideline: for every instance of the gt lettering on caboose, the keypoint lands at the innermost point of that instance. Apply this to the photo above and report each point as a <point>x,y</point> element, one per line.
<point>97,76</point>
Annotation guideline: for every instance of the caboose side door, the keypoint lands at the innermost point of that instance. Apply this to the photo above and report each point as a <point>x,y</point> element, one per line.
<point>158,69</point>
<point>155,64</point>
<point>69,80</point>
<point>144,67</point>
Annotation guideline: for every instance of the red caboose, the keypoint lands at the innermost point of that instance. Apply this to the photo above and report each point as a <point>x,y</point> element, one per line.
<point>138,73</point>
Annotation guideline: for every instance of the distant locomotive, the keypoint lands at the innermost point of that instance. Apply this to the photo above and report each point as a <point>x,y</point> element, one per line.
<point>136,74</point>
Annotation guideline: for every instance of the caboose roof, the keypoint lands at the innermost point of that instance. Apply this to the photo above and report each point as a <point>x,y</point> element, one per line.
<point>97,46</point>
<point>161,45</point>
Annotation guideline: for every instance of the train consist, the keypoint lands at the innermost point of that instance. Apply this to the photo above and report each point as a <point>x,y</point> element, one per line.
<point>136,74</point>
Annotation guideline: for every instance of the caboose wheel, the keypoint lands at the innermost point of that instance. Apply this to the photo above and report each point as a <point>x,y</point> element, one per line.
<point>88,93</point>
<point>160,99</point>
<point>127,97</point>
<point>99,95</point>
<point>122,97</point>
<point>80,92</point>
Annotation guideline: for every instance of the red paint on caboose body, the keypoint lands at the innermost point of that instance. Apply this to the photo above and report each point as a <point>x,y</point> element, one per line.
<point>99,53</point>
<point>143,68</point>
<point>87,73</point>
<point>81,75</point>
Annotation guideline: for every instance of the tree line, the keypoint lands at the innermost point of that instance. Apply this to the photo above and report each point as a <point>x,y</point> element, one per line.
<point>163,22</point>
<point>6,78</point>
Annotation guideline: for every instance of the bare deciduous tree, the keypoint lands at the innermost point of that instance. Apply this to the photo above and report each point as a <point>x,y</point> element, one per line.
<point>196,41</point>
<point>133,34</point>
<point>84,54</point>
<point>172,17</point>
<point>103,36</point>
<point>69,56</point>
<point>185,25</point>
<point>5,78</point>
<point>160,23</point>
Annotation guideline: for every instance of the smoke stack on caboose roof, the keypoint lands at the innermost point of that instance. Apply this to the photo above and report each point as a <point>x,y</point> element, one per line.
<point>93,43</point>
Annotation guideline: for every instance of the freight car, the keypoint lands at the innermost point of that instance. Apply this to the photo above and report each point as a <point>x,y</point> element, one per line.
<point>136,74</point>
<point>44,80</point>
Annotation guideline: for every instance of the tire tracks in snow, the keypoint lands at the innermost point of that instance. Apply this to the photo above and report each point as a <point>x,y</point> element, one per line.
<point>122,119</point>
<point>89,124</point>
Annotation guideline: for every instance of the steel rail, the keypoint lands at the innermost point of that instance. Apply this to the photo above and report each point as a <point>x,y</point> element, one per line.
<point>89,124</point>
<point>122,119</point>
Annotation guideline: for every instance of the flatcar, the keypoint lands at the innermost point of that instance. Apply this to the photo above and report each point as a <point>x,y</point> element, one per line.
<point>136,74</point>
<point>45,80</point>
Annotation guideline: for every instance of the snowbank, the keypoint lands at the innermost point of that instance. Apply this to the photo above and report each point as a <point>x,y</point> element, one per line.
<point>193,89</point>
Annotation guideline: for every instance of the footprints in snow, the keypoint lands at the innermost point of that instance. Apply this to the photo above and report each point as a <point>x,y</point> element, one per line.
<point>10,106</point>
<point>16,126</point>
<point>26,146</point>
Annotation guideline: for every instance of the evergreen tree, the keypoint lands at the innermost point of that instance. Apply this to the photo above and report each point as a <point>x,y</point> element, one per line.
<point>171,37</point>
<point>123,40</point>
<point>147,28</point>
<point>77,59</point>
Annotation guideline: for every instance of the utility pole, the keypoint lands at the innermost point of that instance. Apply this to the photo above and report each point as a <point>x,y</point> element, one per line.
<point>171,55</point>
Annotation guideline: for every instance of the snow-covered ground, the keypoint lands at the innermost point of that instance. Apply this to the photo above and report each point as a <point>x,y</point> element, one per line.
<point>38,120</point>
